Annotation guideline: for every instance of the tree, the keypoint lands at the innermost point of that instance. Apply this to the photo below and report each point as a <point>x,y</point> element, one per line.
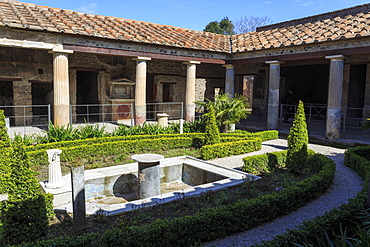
<point>225,26</point>
<point>212,135</point>
<point>249,24</point>
<point>228,110</point>
<point>297,142</point>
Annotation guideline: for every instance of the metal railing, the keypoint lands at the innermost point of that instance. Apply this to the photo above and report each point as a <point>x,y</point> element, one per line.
<point>173,109</point>
<point>94,113</point>
<point>122,113</point>
<point>28,115</point>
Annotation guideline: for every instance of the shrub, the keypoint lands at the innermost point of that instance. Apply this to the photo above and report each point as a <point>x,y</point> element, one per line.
<point>297,141</point>
<point>4,137</point>
<point>225,149</point>
<point>212,135</point>
<point>25,215</point>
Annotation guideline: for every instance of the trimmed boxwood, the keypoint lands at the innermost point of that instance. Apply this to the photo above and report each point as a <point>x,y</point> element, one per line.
<point>358,159</point>
<point>213,223</point>
<point>225,149</point>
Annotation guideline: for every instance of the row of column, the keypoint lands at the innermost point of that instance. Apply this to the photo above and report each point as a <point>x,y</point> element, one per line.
<point>61,87</point>
<point>334,107</point>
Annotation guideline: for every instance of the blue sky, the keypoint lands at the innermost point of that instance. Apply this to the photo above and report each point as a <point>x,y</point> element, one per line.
<point>196,14</point>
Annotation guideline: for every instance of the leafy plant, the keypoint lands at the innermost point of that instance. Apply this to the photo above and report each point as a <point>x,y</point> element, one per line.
<point>212,134</point>
<point>228,110</point>
<point>4,137</point>
<point>297,141</point>
<point>59,133</point>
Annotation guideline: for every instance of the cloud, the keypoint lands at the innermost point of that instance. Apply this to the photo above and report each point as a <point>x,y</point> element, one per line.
<point>306,4</point>
<point>297,1</point>
<point>88,8</point>
<point>267,2</point>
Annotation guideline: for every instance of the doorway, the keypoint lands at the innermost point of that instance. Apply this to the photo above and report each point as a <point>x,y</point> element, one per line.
<point>6,99</point>
<point>87,96</point>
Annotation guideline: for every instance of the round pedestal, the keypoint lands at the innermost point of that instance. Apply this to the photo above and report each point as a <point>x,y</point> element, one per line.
<point>149,174</point>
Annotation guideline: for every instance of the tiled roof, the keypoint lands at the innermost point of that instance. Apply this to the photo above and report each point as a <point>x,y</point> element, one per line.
<point>344,24</point>
<point>15,14</point>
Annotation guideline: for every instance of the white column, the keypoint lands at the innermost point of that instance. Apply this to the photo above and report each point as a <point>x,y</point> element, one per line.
<point>273,97</point>
<point>61,86</point>
<point>190,90</point>
<point>140,90</point>
<point>229,80</point>
<point>333,115</point>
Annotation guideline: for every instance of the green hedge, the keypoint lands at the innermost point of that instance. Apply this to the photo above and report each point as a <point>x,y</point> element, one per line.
<point>225,149</point>
<point>213,223</point>
<point>73,150</point>
<point>357,159</point>
<point>264,162</point>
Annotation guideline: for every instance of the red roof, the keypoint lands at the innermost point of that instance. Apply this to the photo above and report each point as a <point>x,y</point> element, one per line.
<point>344,24</point>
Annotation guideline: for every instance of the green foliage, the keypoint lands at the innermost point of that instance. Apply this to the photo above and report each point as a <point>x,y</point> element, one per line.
<point>212,135</point>
<point>258,164</point>
<point>228,110</point>
<point>225,149</point>
<point>297,141</point>
<point>26,213</point>
<point>4,137</point>
<point>225,26</point>
<point>212,223</point>
<point>326,229</point>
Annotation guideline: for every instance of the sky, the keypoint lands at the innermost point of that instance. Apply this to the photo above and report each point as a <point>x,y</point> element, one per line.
<point>196,14</point>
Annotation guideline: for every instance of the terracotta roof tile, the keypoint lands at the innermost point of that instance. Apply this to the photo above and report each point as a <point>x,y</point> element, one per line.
<point>345,24</point>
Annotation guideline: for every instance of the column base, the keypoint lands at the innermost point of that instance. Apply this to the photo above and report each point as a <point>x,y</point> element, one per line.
<point>333,120</point>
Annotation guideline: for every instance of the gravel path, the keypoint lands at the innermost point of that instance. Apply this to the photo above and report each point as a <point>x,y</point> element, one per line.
<point>347,184</point>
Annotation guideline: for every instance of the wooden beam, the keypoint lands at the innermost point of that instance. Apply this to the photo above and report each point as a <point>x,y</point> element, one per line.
<point>305,56</point>
<point>10,79</point>
<point>124,53</point>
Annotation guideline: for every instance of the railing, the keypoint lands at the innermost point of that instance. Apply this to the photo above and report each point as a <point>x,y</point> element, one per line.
<point>27,115</point>
<point>122,113</point>
<point>173,109</point>
<point>94,113</point>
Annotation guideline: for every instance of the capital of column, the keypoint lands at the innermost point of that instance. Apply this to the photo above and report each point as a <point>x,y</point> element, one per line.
<point>228,66</point>
<point>191,62</point>
<point>274,62</point>
<point>142,59</point>
<point>335,58</point>
<point>59,49</point>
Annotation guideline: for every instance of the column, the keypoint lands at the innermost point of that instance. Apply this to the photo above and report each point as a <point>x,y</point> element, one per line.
<point>140,90</point>
<point>61,86</point>
<point>335,94</point>
<point>190,90</point>
<point>229,80</point>
<point>273,97</point>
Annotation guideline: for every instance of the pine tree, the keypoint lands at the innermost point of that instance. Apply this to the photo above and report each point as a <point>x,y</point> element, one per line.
<point>212,135</point>
<point>297,141</point>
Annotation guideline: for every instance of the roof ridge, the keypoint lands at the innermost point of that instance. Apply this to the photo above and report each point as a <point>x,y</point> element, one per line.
<point>318,17</point>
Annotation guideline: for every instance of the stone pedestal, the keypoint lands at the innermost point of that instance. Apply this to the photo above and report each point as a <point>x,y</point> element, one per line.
<point>140,90</point>
<point>333,115</point>
<point>162,119</point>
<point>78,196</point>
<point>190,90</point>
<point>55,171</point>
<point>273,97</point>
<point>149,174</point>
<point>229,82</point>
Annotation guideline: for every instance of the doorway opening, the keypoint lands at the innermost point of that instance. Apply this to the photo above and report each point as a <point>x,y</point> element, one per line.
<point>87,96</point>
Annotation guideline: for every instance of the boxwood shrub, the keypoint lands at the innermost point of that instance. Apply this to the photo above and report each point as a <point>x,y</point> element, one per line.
<point>358,159</point>
<point>213,223</point>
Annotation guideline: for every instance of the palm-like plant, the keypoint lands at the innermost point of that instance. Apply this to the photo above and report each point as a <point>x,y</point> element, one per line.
<point>228,110</point>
